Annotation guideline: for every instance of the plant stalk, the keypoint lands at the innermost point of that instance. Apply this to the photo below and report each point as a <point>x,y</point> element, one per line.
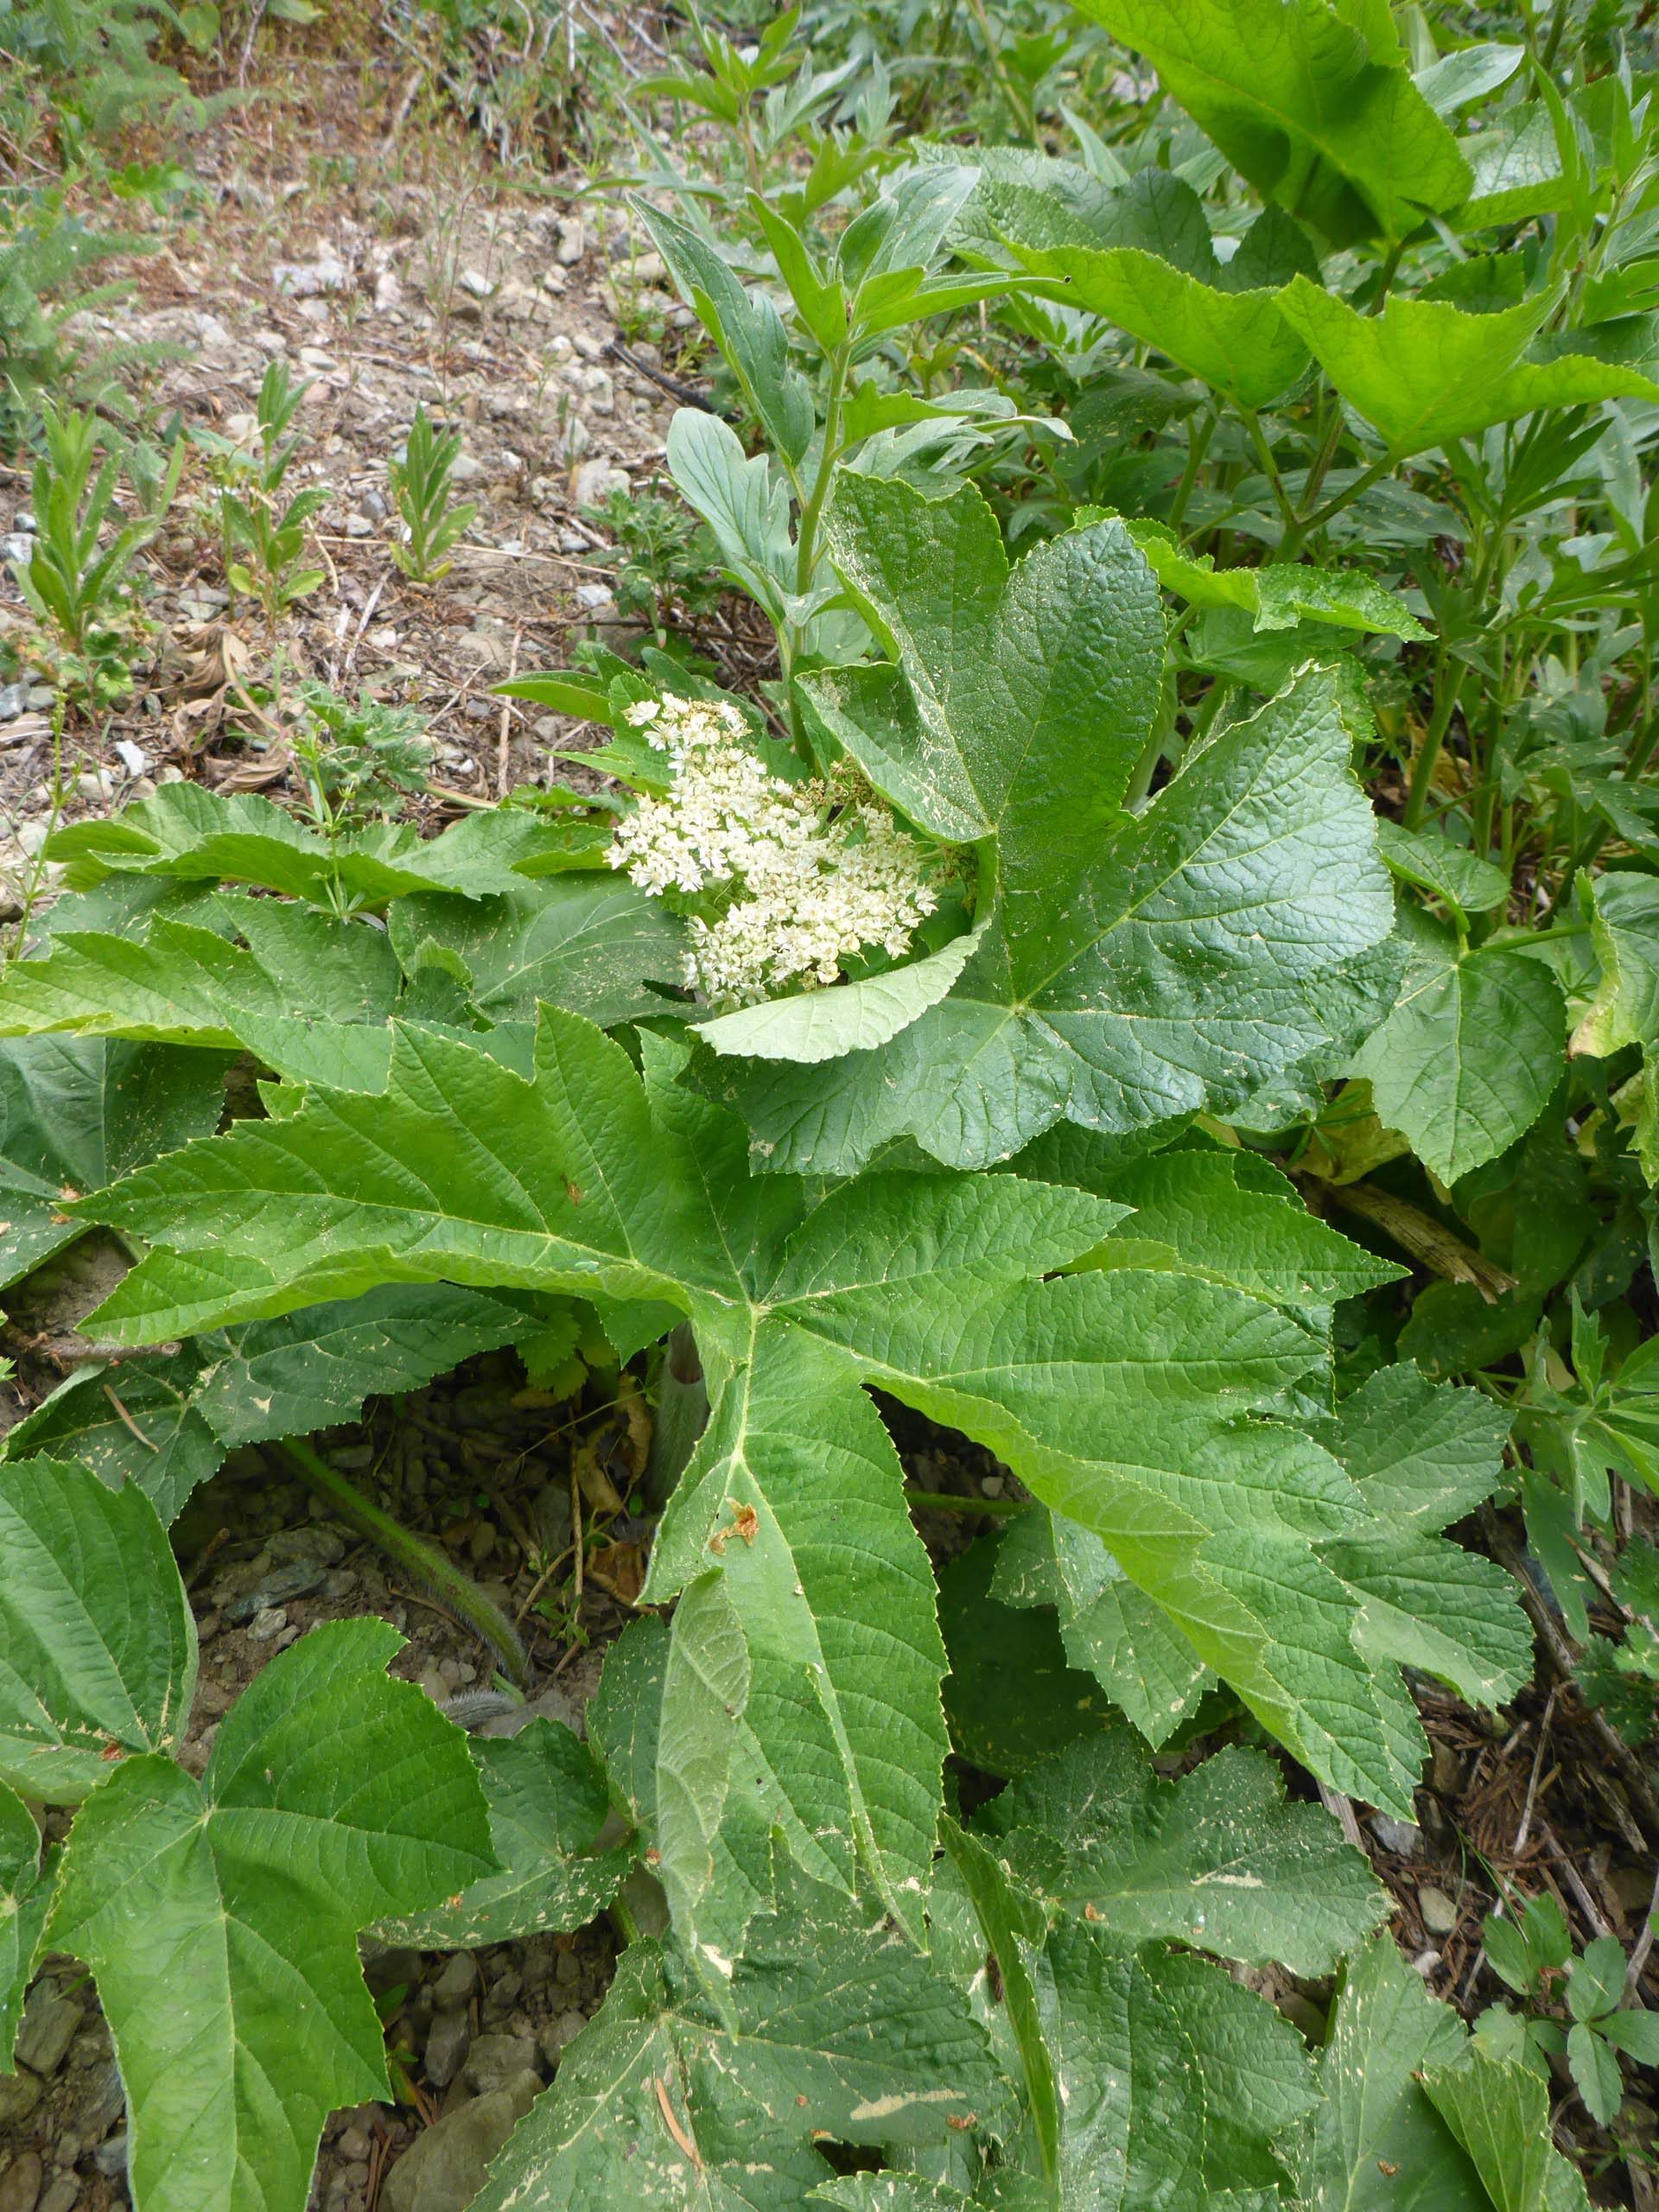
<point>422,1560</point>
<point>682,1414</point>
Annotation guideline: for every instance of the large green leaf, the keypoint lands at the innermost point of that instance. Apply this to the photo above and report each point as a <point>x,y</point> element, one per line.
<point>1161,281</point>
<point>166,1422</point>
<point>1499,2112</point>
<point>1138,967</point>
<point>1312,102</point>
<point>25,1898</point>
<point>1471,1051</point>
<point>1425,372</point>
<point>75,1112</point>
<point>191,834</point>
<point>590,943</point>
<point>219,1917</point>
<point>839,2033</point>
<point>97,1647</point>
<point>1375,2143</point>
<point>1623,910</point>
<point>1174,2082</point>
<point>1217,1860</point>
<point>295,990</point>
<point>1125,1397</point>
<point>548,1803</point>
<point>1109,1628</point>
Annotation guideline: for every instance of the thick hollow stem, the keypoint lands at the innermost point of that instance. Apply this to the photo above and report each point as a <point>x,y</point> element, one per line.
<point>423,1562</point>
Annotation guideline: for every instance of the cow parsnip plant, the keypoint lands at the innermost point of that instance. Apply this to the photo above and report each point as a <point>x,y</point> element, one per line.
<point>1279,804</point>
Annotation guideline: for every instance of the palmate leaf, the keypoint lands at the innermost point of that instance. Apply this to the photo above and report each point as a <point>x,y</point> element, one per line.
<point>1217,1860</point>
<point>1107,1627</point>
<point>97,1647</point>
<point>548,1803</point>
<point>1373,2127</point>
<point>1152,2078</point>
<point>1425,372</point>
<point>219,1917</point>
<point>839,2033</point>
<point>1499,2112</point>
<point>1471,1051</point>
<point>25,1899</point>
<point>76,1112</point>
<point>293,989</point>
<point>1144,259</point>
<point>1311,102</point>
<point>1623,910</point>
<point>309,993</point>
<point>1124,1396</point>
<point>166,1422</point>
<point>191,834</point>
<point>1137,967</point>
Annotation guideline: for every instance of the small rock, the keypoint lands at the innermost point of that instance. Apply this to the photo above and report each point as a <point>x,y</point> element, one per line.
<point>339,1582</point>
<point>445,2166</point>
<point>447,2046</point>
<point>14,701</point>
<point>1425,1963</point>
<point>467,468</point>
<point>1446,1774</point>
<point>110,2157</point>
<point>1399,1837</point>
<point>19,2094</point>
<point>324,1546</point>
<point>599,389</point>
<point>475,282</point>
<point>596,598</point>
<point>456,1983</point>
<point>95,785</point>
<point>372,503</point>
<point>279,1587</point>
<point>51,2022</point>
<point>133,757</point>
<point>62,2196</point>
<point>314,357</point>
<point>267,1624</point>
<point>1440,1913</point>
<point>560,2034</point>
<point>24,519</point>
<point>20,2185</point>
<point>355,2142</point>
<point>572,241</point>
<point>589,348</point>
<point>388,292</point>
<point>594,482</point>
<point>493,2060</point>
<point>301,280</point>
<point>647,268</point>
<point>17,545</point>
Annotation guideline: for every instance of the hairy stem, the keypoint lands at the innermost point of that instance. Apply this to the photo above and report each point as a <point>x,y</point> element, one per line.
<point>423,1561</point>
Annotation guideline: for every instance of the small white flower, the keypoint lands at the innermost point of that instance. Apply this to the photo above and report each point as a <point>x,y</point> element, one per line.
<point>815,870</point>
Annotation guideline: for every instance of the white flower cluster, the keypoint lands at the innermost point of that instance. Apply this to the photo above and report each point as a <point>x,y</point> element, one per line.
<point>814,871</point>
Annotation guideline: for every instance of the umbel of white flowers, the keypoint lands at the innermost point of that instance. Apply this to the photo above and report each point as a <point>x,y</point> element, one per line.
<point>809,873</point>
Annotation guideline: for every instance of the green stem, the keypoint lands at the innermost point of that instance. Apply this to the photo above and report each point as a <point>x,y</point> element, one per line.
<point>806,549</point>
<point>1198,445</point>
<point>1270,469</point>
<point>948,1502</point>
<point>424,1562</point>
<point>1428,753</point>
<point>1301,529</point>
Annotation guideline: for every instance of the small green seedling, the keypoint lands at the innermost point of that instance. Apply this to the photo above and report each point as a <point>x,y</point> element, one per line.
<point>1534,1956</point>
<point>420,484</point>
